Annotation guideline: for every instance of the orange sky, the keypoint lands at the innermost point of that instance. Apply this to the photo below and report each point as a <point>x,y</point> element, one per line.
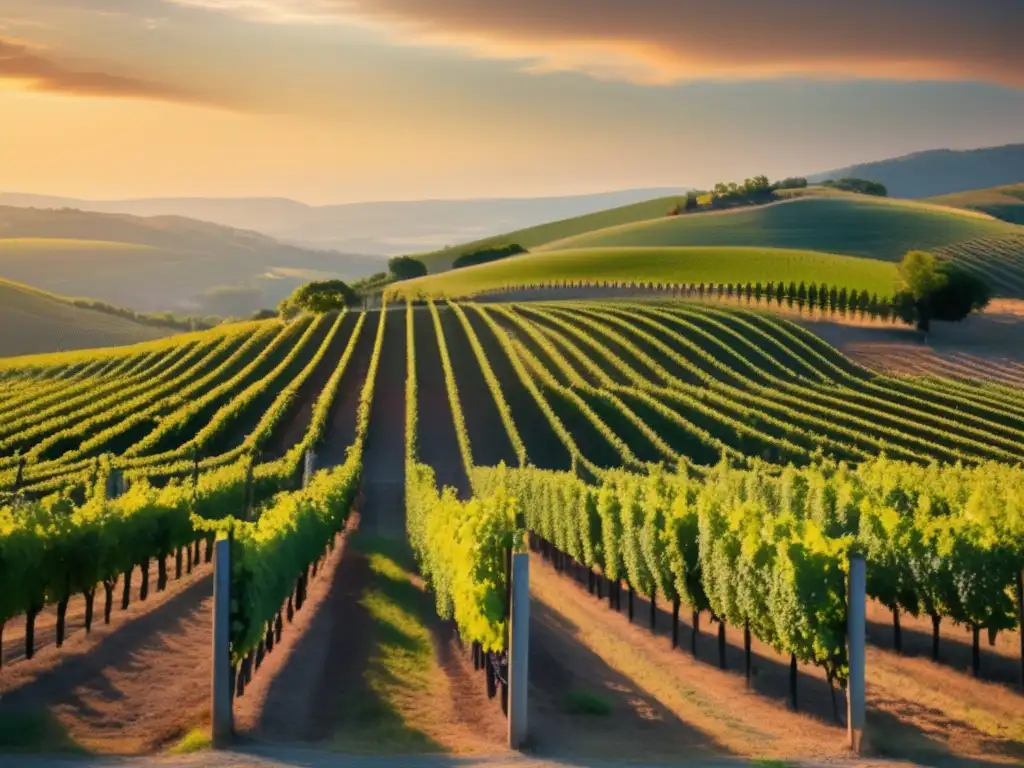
<point>332,100</point>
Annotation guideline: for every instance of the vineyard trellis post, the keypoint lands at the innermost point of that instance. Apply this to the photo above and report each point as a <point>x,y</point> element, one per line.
<point>223,715</point>
<point>309,467</point>
<point>519,651</point>
<point>856,613</point>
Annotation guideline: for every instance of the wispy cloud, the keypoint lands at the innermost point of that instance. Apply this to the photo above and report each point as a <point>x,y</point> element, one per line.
<point>665,41</point>
<point>38,70</point>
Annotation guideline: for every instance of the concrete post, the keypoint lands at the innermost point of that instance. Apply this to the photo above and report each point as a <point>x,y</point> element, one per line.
<point>223,716</point>
<point>856,608</point>
<point>519,652</point>
<point>308,468</point>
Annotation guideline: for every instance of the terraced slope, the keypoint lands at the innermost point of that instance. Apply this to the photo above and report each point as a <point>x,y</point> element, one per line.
<point>872,227</point>
<point>718,265</point>
<point>35,322</point>
<point>166,410</point>
<point>625,384</point>
<point>1006,203</point>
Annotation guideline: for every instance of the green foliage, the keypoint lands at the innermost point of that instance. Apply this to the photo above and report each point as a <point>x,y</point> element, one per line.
<point>862,186</point>
<point>406,268</point>
<point>268,555</point>
<point>771,549</point>
<point>487,254</point>
<point>319,297</point>
<point>934,290</point>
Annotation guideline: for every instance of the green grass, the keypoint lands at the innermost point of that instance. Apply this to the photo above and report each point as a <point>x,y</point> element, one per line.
<point>36,322</point>
<point>533,237</point>
<point>1006,203</point>
<point>689,265</point>
<point>382,715</point>
<point>35,732</point>
<point>586,703</point>
<point>195,740</point>
<point>854,225</point>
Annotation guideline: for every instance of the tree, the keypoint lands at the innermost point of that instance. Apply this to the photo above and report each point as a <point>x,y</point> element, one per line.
<point>406,267</point>
<point>933,290</point>
<point>322,296</point>
<point>691,201</point>
<point>487,254</point>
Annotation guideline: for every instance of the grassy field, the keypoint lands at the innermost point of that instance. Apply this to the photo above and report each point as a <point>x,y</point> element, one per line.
<point>37,322</point>
<point>670,265</point>
<point>858,226</point>
<point>533,237</point>
<point>1006,203</point>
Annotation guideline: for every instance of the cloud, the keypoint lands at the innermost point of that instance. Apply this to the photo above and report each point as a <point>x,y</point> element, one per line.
<point>37,71</point>
<point>665,41</point>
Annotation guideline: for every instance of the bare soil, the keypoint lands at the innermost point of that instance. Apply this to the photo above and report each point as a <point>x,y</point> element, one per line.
<point>13,649</point>
<point>918,710</point>
<point>131,687</point>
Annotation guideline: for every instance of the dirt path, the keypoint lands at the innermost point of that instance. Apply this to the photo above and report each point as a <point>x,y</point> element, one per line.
<point>46,622</point>
<point>134,686</point>
<point>920,711</point>
<point>293,428</point>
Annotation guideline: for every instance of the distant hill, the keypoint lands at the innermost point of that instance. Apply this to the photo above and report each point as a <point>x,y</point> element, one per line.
<point>940,171</point>
<point>164,263</point>
<point>855,225</point>
<point>644,238</point>
<point>34,321</point>
<point>1006,203</point>
<point>380,228</point>
<point>532,237</point>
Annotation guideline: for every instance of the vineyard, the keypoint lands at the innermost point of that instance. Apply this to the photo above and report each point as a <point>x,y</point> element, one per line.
<point>685,454</point>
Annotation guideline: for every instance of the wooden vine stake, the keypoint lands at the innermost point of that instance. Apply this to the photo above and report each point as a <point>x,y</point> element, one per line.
<point>856,612</point>
<point>223,698</point>
<point>519,651</point>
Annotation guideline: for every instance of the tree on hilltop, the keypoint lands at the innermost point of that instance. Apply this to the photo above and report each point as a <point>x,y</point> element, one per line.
<point>406,268</point>
<point>319,297</point>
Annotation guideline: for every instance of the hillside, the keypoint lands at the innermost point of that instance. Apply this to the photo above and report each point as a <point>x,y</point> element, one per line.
<point>533,237</point>
<point>384,228</point>
<point>854,225</point>
<point>159,263</point>
<point>667,265</point>
<point>35,322</point>
<point>940,171</point>
<point>1006,203</point>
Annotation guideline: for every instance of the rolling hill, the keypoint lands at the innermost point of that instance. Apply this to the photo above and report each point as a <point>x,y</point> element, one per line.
<point>664,264</point>
<point>877,230</point>
<point>382,228</point>
<point>940,171</point>
<point>34,322</point>
<point>533,237</point>
<point>855,225</point>
<point>1006,203</point>
<point>163,263</point>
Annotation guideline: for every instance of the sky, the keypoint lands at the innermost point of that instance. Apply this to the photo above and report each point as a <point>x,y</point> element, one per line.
<point>351,100</point>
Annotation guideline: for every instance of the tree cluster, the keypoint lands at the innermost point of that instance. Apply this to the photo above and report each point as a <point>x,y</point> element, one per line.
<point>861,186</point>
<point>319,297</point>
<point>406,268</point>
<point>487,254</point>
